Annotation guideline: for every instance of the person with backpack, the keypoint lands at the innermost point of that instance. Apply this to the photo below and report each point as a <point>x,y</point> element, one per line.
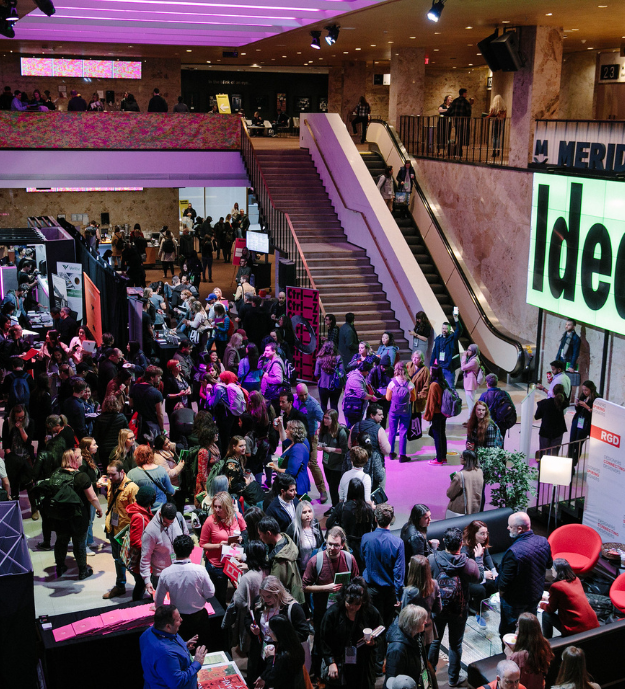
<point>454,571</point>
<point>17,385</point>
<point>433,413</point>
<point>333,442</point>
<point>19,455</point>
<point>319,578</point>
<point>401,394</point>
<point>148,473</point>
<point>227,402</point>
<point>118,244</point>
<point>311,409</point>
<point>356,393</point>
<point>167,253</point>
<point>500,405</point>
<point>69,494</point>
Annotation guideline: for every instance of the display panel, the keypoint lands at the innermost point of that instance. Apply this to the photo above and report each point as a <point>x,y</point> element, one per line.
<point>577,250</point>
<point>97,69</point>
<point>258,241</point>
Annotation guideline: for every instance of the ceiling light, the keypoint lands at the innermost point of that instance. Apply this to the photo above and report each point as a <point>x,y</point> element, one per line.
<point>412,38</point>
<point>470,64</point>
<point>436,50</point>
<point>346,52</point>
<point>390,42</point>
<point>602,6</point>
<point>333,34</point>
<point>258,50</point>
<point>12,17</point>
<point>505,21</point>
<point>549,14</point>
<point>358,48</point>
<point>437,9</point>
<point>468,27</point>
<point>316,40</point>
<point>299,52</point>
<point>284,56</point>
<point>45,6</point>
<point>478,53</point>
<point>437,33</point>
<point>189,51</point>
<point>243,53</point>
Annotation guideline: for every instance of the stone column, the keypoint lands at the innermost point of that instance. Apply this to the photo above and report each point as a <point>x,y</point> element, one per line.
<point>354,86</point>
<point>335,89</point>
<point>536,88</point>
<point>407,91</point>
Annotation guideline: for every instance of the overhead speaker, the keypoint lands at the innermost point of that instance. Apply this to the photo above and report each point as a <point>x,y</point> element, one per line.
<point>487,51</point>
<point>505,49</point>
<point>105,219</point>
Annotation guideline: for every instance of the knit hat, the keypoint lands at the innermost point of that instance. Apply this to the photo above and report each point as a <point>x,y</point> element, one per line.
<point>146,495</point>
<point>228,377</point>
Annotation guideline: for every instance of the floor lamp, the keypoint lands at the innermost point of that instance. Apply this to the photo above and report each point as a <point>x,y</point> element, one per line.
<point>558,471</point>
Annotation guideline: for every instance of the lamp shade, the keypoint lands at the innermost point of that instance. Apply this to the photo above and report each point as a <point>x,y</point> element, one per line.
<point>558,471</point>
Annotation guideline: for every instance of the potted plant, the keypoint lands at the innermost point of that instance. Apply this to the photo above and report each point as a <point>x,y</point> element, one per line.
<point>511,474</point>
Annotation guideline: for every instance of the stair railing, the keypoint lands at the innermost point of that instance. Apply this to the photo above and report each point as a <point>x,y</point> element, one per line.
<point>277,222</point>
<point>361,214</point>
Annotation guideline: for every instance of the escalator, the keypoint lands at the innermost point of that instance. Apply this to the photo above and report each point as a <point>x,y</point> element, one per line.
<point>502,351</point>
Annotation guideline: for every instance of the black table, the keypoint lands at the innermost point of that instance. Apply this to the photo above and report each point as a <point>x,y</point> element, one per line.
<point>105,661</point>
<point>164,351</point>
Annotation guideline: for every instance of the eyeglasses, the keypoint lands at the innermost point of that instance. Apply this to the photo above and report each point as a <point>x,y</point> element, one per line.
<point>334,546</point>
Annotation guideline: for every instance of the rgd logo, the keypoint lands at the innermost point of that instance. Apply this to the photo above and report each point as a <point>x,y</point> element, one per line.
<point>605,436</point>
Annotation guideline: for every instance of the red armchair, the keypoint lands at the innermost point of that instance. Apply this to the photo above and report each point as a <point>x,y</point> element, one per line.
<point>617,593</point>
<point>578,544</point>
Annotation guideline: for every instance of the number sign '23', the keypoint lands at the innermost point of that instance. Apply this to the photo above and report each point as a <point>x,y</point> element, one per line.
<point>577,250</point>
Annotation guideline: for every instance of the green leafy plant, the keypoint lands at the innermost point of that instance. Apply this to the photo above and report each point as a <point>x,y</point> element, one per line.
<point>511,474</point>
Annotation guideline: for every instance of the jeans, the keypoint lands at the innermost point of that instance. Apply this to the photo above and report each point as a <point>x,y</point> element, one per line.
<point>383,598</point>
<point>331,396</point>
<point>456,634</point>
<point>437,430</point>
<point>220,580</point>
<point>120,569</point>
<point>90,528</point>
<point>399,424</point>
<point>207,263</point>
<point>333,477</point>
<point>364,121</point>
<point>450,377</point>
<point>79,542</point>
<point>550,620</point>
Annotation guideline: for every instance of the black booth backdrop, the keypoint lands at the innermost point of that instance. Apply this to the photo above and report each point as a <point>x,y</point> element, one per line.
<point>112,288</point>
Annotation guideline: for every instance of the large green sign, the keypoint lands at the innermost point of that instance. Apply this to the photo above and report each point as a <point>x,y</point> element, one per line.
<point>577,250</point>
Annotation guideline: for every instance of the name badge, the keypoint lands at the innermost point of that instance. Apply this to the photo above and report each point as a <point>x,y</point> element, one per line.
<point>580,422</point>
<point>114,519</point>
<point>350,655</point>
<point>441,356</point>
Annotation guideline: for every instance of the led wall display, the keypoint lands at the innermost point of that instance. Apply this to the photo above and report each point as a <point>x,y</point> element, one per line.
<point>97,69</point>
<point>577,250</point>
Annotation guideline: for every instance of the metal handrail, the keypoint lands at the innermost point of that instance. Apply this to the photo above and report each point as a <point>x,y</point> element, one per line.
<point>253,166</point>
<point>362,215</point>
<point>404,155</point>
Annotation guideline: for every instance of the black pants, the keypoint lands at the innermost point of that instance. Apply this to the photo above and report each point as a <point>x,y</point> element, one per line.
<point>195,623</point>
<point>550,620</point>
<point>167,265</point>
<point>333,477</point>
<point>220,580</point>
<point>364,121</point>
<point>207,263</point>
<point>383,598</point>
<point>332,396</point>
<point>480,592</point>
<point>227,249</point>
<point>20,475</point>
<point>437,431</point>
<point>79,542</point>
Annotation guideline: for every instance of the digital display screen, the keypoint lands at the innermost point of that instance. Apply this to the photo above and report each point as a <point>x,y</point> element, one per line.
<point>577,250</point>
<point>93,69</point>
<point>257,241</point>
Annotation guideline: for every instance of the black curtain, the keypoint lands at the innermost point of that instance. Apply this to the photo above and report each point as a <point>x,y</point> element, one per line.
<point>112,288</point>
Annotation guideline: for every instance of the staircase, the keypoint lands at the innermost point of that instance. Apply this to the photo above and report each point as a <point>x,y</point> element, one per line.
<point>341,271</point>
<point>376,165</point>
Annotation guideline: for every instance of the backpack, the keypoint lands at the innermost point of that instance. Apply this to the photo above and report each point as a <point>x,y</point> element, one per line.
<point>452,595</point>
<point>61,502</point>
<point>19,392</point>
<point>503,412</point>
<point>451,404</point>
<point>236,399</point>
<point>349,559</point>
<point>168,246</point>
<point>400,399</point>
<point>119,243</point>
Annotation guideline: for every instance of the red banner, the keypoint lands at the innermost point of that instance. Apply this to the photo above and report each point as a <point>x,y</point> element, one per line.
<point>302,307</point>
<point>239,245</point>
<point>232,572</point>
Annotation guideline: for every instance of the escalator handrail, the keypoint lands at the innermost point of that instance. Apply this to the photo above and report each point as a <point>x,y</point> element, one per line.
<point>404,155</point>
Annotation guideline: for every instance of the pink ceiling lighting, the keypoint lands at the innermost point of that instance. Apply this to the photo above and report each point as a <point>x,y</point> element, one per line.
<point>177,22</point>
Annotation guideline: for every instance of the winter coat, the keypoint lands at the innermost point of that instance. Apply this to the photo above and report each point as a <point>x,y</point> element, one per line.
<point>283,564</point>
<point>473,485</point>
<point>404,654</point>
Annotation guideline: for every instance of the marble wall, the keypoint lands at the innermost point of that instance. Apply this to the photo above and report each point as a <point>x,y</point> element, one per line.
<point>354,86</point>
<point>502,86</point>
<point>335,89</point>
<point>447,82</point>
<point>151,208</point>
<point>406,96</point>
<point>155,73</point>
<point>377,95</point>
<point>485,212</point>
<point>536,92</point>
<point>577,85</point>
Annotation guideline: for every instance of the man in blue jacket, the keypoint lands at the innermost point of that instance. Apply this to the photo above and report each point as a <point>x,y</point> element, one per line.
<point>445,348</point>
<point>165,657</point>
<point>568,351</point>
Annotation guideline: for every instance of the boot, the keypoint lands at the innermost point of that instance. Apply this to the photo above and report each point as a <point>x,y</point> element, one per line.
<point>85,573</point>
<point>114,592</point>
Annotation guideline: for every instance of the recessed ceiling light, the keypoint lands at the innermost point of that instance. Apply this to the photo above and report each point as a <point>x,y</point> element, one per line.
<point>273,59</point>
<point>412,38</point>
<point>470,64</point>
<point>437,33</point>
<point>468,27</point>
<point>189,51</point>
<point>505,21</point>
<point>602,6</point>
<point>346,52</point>
<point>258,50</point>
<point>243,53</point>
<point>390,42</point>
<point>299,52</point>
<point>436,50</point>
<point>358,48</point>
<point>469,45</point>
<point>478,53</point>
<point>573,29</point>
<point>309,62</point>
<point>128,46</point>
<point>454,68</point>
<point>549,14</point>
<point>208,62</point>
<point>589,48</point>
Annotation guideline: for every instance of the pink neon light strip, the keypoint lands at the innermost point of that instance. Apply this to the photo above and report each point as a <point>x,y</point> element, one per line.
<point>191,15</point>
<point>56,189</point>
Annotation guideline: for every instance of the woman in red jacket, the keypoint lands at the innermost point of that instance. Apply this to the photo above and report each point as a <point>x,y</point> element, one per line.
<point>140,513</point>
<point>567,609</point>
<point>433,413</point>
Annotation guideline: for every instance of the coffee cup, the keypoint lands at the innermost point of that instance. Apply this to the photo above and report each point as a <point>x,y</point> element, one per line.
<point>367,634</point>
<point>270,650</point>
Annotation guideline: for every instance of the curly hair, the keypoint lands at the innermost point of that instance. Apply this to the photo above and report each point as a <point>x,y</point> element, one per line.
<point>298,431</point>
<point>144,455</point>
<point>327,357</point>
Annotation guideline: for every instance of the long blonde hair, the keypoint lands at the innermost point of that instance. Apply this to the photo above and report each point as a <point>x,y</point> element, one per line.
<point>498,107</point>
<point>226,503</point>
<point>274,586</point>
<point>120,450</point>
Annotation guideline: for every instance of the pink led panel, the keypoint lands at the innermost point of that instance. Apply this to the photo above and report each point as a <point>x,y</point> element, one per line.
<point>67,68</point>
<point>127,70</point>
<point>36,67</point>
<point>98,69</point>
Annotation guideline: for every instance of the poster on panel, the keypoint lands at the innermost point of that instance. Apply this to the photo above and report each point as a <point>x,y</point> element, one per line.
<point>93,314</point>
<point>604,508</point>
<point>72,274</point>
<point>302,307</point>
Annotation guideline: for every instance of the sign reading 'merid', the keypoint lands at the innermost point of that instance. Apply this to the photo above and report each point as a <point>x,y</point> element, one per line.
<point>577,250</point>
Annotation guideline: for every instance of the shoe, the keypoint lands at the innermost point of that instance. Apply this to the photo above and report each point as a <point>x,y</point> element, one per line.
<point>34,516</point>
<point>43,546</point>
<point>90,552</point>
<point>85,574</point>
<point>436,463</point>
<point>462,678</point>
<point>403,459</point>
<point>115,591</point>
<point>60,570</point>
<point>393,455</point>
<point>324,498</point>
